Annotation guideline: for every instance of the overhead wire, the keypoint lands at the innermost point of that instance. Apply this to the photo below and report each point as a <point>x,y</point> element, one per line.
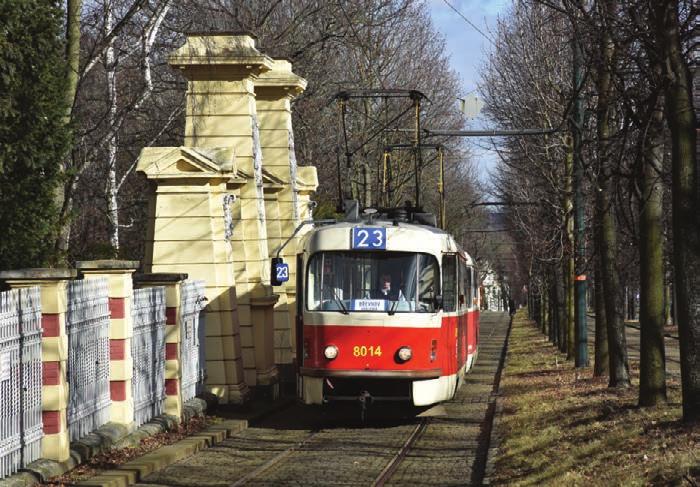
<point>363,48</point>
<point>470,23</point>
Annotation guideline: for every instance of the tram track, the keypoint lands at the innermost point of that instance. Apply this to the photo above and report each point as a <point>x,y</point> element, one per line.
<point>323,439</point>
<point>301,445</point>
<point>272,462</point>
<point>386,474</point>
<point>416,440</point>
<point>257,476</point>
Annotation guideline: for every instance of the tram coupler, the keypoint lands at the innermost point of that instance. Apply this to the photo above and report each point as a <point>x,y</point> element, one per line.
<point>365,399</point>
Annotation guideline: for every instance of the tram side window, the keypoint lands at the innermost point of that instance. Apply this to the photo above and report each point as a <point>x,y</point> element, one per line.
<point>314,285</point>
<point>460,285</point>
<point>449,282</point>
<point>467,287</point>
<point>428,282</point>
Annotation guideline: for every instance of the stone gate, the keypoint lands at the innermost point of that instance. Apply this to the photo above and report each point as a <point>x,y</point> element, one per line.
<point>225,201</point>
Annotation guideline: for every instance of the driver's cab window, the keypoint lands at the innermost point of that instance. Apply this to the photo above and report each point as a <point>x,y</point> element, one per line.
<point>395,282</point>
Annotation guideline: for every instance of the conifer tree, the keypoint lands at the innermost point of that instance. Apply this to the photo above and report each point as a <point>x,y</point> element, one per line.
<point>33,134</point>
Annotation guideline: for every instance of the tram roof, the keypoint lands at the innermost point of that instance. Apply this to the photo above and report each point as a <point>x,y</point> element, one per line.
<point>401,237</point>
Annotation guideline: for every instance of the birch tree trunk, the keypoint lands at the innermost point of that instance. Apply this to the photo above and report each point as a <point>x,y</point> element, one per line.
<point>668,300</point>
<point>111,190</point>
<point>115,118</point>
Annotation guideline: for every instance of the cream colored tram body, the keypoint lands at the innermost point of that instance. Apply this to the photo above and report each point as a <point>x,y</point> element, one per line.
<point>386,311</point>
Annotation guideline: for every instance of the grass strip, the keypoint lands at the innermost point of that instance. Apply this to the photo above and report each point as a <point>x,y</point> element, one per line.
<point>562,426</point>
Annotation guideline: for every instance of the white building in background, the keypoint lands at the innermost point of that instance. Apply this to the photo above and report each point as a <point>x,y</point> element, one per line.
<point>495,290</point>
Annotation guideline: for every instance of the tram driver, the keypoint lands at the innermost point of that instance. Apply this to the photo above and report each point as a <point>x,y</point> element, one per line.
<point>386,291</point>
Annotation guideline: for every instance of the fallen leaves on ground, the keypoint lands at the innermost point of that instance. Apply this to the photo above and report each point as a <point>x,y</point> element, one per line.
<point>114,458</point>
<point>562,426</point>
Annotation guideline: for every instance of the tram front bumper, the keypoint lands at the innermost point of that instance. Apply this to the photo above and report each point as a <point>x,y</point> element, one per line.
<point>371,374</point>
<point>320,386</point>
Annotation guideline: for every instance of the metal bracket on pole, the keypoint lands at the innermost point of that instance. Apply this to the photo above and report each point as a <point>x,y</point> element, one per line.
<point>299,227</point>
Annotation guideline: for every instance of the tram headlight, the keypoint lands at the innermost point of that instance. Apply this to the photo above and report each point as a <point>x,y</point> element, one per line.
<point>330,352</point>
<point>404,354</point>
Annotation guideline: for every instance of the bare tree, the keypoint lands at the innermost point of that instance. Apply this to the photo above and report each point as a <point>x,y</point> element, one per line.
<point>128,97</point>
<point>682,122</point>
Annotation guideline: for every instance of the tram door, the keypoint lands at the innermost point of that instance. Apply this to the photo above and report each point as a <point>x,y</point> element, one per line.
<point>451,302</point>
<point>299,315</point>
<point>462,315</point>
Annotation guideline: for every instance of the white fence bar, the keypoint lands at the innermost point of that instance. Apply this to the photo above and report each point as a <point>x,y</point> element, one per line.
<point>88,356</point>
<point>148,352</point>
<point>20,379</point>
<point>191,360</point>
<point>30,323</point>
<point>10,445</point>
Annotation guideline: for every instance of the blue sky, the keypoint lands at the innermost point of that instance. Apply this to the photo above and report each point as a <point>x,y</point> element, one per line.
<point>468,50</point>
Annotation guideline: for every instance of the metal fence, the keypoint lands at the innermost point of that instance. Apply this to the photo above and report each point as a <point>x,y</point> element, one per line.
<point>20,379</point>
<point>148,351</point>
<point>87,326</point>
<point>191,326</point>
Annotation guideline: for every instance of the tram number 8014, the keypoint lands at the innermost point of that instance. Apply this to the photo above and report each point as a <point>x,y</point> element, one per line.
<point>365,351</point>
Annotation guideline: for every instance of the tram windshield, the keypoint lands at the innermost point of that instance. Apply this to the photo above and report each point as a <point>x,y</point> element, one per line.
<point>394,282</point>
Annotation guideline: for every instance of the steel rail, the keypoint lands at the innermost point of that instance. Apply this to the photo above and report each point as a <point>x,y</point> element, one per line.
<point>394,463</point>
<point>273,461</point>
<point>385,475</point>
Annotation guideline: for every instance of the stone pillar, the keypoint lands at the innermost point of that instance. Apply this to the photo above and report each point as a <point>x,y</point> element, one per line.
<point>189,231</point>
<point>306,184</point>
<point>55,445</point>
<point>267,376</point>
<point>274,91</point>
<point>173,371</point>
<point>121,330</point>
<point>209,212</point>
<point>221,111</point>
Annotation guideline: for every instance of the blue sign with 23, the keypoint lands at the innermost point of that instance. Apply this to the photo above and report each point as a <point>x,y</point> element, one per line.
<point>282,272</point>
<point>369,238</point>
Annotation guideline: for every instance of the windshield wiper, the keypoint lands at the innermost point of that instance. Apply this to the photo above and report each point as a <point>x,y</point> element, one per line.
<point>342,309</point>
<point>394,306</point>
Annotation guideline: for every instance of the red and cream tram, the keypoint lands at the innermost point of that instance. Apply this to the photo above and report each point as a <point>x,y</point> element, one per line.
<point>386,310</point>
